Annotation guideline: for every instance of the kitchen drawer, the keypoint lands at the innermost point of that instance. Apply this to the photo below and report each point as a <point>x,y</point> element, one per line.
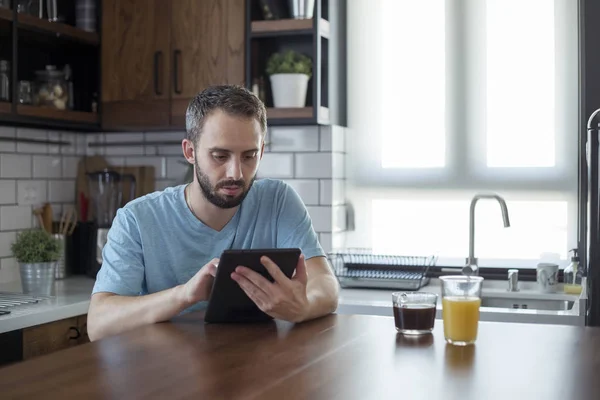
<point>53,336</point>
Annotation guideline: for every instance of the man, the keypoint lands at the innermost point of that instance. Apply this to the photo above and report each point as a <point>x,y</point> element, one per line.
<point>157,243</point>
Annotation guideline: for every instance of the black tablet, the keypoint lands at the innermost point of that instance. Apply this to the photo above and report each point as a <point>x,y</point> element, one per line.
<point>228,302</point>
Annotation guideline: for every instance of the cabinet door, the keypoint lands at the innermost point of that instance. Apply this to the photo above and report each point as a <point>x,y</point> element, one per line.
<point>48,338</point>
<point>207,48</point>
<point>135,63</point>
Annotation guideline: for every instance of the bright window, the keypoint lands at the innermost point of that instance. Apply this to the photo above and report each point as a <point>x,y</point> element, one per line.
<point>469,96</point>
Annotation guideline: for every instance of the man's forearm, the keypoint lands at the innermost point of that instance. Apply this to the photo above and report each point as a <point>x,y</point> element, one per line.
<point>112,314</point>
<point>322,293</point>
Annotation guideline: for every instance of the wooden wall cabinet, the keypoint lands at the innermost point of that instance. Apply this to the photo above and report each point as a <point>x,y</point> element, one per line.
<point>158,54</point>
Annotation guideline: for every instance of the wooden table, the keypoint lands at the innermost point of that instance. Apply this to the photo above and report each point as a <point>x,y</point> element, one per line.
<point>336,357</point>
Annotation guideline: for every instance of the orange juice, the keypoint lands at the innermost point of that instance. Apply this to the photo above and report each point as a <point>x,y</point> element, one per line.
<point>461,318</point>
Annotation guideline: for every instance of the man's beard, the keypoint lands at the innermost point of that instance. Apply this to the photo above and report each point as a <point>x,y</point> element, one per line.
<point>214,197</point>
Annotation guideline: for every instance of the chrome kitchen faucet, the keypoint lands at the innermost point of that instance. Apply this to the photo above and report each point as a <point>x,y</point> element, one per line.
<point>471,267</point>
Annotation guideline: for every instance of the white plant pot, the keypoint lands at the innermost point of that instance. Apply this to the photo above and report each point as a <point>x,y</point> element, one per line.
<point>289,90</point>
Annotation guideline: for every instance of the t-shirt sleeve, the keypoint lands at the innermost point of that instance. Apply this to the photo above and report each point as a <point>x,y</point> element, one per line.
<point>294,225</point>
<point>122,270</point>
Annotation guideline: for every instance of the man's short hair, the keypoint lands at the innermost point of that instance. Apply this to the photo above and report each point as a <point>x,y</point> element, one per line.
<point>234,100</point>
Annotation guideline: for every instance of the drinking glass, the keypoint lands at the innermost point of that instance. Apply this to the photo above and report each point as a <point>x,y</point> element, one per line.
<point>461,299</point>
<point>414,312</point>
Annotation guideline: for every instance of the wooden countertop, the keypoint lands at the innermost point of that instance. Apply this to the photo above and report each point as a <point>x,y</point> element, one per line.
<point>336,357</point>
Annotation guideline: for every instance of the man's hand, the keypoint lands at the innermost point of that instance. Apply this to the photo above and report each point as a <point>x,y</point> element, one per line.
<point>198,288</point>
<point>283,299</point>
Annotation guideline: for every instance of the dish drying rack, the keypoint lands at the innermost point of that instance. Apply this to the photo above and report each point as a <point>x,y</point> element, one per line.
<point>361,268</point>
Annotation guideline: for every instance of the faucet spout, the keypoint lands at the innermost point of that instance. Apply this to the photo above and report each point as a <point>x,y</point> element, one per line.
<point>471,266</point>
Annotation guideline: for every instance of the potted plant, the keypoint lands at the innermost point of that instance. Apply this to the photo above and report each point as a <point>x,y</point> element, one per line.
<point>289,73</point>
<point>37,253</point>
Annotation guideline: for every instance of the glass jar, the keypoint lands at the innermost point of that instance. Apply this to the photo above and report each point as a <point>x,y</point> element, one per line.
<point>4,80</point>
<point>25,92</point>
<point>51,89</point>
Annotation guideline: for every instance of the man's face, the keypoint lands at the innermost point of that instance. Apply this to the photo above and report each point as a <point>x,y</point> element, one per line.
<point>227,158</point>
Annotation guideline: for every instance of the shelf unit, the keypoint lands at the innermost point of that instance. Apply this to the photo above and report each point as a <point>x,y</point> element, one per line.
<point>322,38</point>
<point>30,43</point>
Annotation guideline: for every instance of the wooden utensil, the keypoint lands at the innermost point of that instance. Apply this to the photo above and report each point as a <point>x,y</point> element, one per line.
<point>47,217</point>
<point>68,222</point>
<point>38,213</point>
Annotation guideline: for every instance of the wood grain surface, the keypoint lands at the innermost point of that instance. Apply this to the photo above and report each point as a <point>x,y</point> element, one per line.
<point>336,357</point>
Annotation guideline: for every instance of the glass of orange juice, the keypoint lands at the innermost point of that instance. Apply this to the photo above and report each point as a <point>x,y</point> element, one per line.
<point>461,298</point>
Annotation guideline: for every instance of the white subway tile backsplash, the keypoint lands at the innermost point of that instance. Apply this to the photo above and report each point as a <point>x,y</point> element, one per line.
<point>37,148</point>
<point>61,191</point>
<point>47,166</point>
<point>159,164</point>
<point>6,239</point>
<point>338,193</point>
<point>69,167</point>
<point>15,217</point>
<point>9,270</point>
<point>81,141</point>
<point>115,161</point>
<point>274,165</point>
<point>54,137</point>
<point>176,169</point>
<point>321,218</point>
<point>91,150</point>
<point>339,165</point>
<point>313,165</point>
<point>325,144</point>
<point>164,136</point>
<point>333,138</point>
<point>326,190</point>
<point>338,138</point>
<point>294,138</point>
<point>128,150</point>
<point>31,192</point>
<point>339,219</point>
<point>8,132</point>
<point>167,149</point>
<point>165,183</point>
<point>8,192</point>
<point>15,166</point>
<point>325,240</point>
<point>307,189</point>
<point>67,137</point>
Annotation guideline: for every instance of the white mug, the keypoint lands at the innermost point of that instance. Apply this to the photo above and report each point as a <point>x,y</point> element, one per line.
<point>547,277</point>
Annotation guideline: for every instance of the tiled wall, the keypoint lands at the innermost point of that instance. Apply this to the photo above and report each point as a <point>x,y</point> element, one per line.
<point>310,158</point>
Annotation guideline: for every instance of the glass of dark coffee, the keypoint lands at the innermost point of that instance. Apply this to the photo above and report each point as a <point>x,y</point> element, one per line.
<point>414,312</point>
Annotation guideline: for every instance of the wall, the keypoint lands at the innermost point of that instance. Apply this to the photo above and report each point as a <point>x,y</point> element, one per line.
<point>310,158</point>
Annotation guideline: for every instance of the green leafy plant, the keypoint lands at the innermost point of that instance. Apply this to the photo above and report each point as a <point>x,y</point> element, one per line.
<point>290,62</point>
<point>36,246</point>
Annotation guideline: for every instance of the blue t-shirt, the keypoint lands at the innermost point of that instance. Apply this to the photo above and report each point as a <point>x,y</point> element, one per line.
<point>156,243</point>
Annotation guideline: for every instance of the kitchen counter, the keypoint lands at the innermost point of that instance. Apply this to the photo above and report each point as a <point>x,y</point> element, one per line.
<point>335,357</point>
<point>379,302</point>
<point>71,298</point>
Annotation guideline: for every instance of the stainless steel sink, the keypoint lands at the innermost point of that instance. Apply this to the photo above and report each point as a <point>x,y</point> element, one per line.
<point>527,304</point>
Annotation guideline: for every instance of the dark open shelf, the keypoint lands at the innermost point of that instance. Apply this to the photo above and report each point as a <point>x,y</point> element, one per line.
<point>6,14</point>
<point>30,43</point>
<point>5,108</point>
<point>57,29</point>
<point>314,37</point>
<point>289,27</point>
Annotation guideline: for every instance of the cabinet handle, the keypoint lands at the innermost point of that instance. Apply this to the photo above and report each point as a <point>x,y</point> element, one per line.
<point>176,57</point>
<point>77,333</point>
<point>158,73</point>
